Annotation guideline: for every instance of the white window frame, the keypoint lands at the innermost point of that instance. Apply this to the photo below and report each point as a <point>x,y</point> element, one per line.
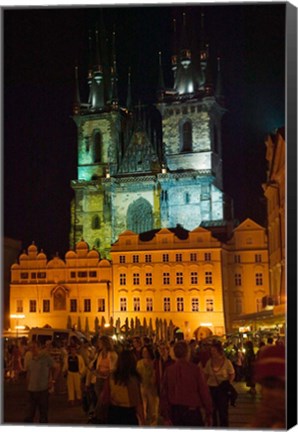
<point>194,278</point>
<point>136,304</point>
<point>167,304</point>
<point>101,304</point>
<point>209,304</point>
<point>123,304</point>
<point>180,304</point>
<point>149,304</point>
<point>195,304</point>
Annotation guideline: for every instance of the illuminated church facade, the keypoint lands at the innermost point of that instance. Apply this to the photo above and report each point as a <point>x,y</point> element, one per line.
<point>136,175</point>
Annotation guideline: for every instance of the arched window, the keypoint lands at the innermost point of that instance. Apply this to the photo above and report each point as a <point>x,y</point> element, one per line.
<point>97,147</point>
<point>139,216</point>
<point>186,136</point>
<point>95,222</point>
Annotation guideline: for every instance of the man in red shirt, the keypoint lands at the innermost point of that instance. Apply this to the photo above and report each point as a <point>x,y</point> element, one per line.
<point>184,392</point>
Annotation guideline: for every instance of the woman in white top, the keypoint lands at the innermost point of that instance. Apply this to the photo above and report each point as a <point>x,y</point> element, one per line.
<point>105,364</point>
<point>219,372</point>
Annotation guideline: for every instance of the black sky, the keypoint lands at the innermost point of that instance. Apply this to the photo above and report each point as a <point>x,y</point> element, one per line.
<point>40,48</point>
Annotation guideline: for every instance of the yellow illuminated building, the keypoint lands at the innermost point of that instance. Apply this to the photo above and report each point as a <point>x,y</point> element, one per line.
<point>171,274</point>
<point>245,265</point>
<point>274,191</point>
<point>60,293</point>
<point>187,278</point>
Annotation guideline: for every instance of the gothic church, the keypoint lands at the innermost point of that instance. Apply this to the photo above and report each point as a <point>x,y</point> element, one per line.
<point>130,179</point>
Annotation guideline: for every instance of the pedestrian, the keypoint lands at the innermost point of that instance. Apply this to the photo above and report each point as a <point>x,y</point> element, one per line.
<point>105,364</point>
<point>161,363</point>
<point>137,347</point>
<point>40,378</point>
<point>74,368</point>
<point>269,371</point>
<point>238,364</point>
<point>249,359</point>
<point>124,393</point>
<point>219,373</point>
<point>57,356</point>
<point>149,392</point>
<point>204,353</point>
<point>270,340</point>
<point>15,363</point>
<point>184,392</point>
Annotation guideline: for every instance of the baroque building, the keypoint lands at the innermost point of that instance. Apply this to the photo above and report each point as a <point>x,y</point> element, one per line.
<point>173,274</point>
<point>275,193</point>
<point>137,174</point>
<point>59,292</point>
<point>188,278</point>
<point>245,272</point>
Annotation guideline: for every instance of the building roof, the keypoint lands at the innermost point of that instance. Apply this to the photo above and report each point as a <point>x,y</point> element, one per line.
<point>179,232</point>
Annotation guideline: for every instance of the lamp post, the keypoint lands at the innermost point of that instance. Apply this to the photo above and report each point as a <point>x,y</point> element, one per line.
<point>17,317</point>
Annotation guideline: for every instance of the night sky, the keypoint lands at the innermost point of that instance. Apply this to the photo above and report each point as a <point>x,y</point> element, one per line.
<point>40,49</point>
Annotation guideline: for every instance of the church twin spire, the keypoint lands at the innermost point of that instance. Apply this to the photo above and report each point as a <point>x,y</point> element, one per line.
<point>191,67</point>
<point>102,75</point>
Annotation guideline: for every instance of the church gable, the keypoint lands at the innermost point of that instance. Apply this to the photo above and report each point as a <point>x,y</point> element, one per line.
<point>248,225</point>
<point>139,155</point>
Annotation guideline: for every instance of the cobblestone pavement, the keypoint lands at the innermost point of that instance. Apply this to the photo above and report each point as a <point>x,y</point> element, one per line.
<point>14,402</point>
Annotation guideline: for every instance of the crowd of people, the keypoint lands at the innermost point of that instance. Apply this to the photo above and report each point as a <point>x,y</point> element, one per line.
<point>140,382</point>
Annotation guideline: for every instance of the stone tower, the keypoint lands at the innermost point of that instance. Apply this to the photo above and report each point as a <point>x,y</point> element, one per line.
<point>191,123</point>
<point>127,177</point>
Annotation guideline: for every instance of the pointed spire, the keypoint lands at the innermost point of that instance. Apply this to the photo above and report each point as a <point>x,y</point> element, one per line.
<point>77,100</point>
<point>114,77</point>
<point>184,43</point>
<point>174,58</point>
<point>203,45</point>
<point>161,82</point>
<point>202,35</point>
<point>98,66</point>
<point>97,99</point>
<point>129,98</point>
<point>218,89</point>
<point>209,88</point>
<point>90,66</point>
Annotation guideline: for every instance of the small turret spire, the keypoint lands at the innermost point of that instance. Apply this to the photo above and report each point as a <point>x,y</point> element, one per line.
<point>98,65</point>
<point>114,77</point>
<point>77,100</point>
<point>209,88</point>
<point>161,82</point>
<point>218,89</point>
<point>203,45</point>
<point>129,98</point>
<point>184,43</point>
<point>90,66</point>
<point>174,58</point>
